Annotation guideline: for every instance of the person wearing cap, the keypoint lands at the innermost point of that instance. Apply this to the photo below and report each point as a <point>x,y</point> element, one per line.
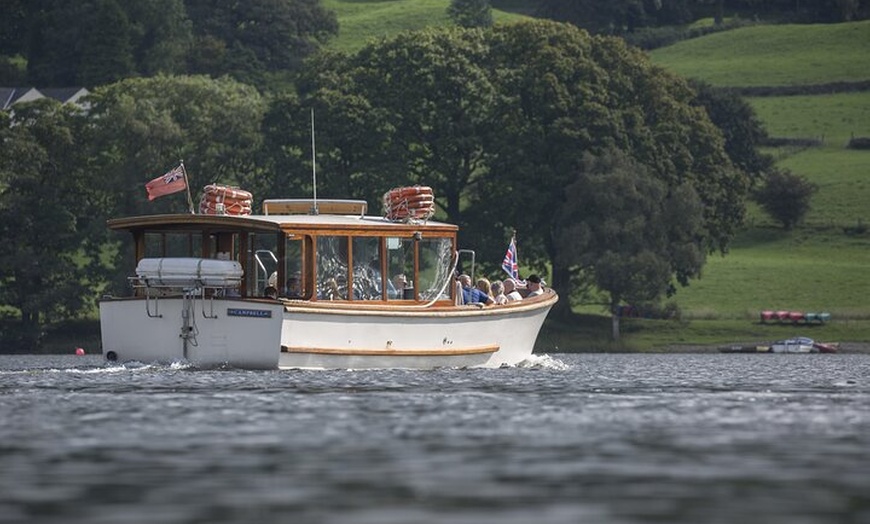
<point>510,290</point>
<point>533,284</point>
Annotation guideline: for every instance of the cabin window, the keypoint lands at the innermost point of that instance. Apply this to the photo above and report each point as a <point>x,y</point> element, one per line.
<point>368,283</point>
<point>262,263</point>
<point>400,267</point>
<point>168,244</point>
<point>435,262</point>
<point>332,267</point>
<point>294,282</point>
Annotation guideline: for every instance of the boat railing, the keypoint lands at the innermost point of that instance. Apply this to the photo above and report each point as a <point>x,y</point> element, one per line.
<point>206,294</point>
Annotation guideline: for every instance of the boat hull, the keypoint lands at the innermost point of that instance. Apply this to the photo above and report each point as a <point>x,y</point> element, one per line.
<point>237,333</point>
<point>299,334</point>
<point>412,338</point>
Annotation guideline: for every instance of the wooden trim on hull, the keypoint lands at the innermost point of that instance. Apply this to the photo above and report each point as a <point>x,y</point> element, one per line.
<point>372,352</point>
<point>377,308</point>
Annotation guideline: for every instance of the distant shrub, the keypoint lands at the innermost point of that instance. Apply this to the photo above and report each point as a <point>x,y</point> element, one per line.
<point>785,196</point>
<point>859,142</point>
<point>858,229</point>
<point>776,141</point>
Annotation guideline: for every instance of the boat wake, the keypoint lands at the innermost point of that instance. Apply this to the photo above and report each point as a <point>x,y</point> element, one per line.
<point>543,362</point>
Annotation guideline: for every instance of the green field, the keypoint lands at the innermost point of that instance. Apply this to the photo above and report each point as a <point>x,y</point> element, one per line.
<point>781,55</point>
<point>364,20</point>
<point>816,267</point>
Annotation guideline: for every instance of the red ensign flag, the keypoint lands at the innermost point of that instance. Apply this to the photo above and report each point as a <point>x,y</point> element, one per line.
<point>171,182</point>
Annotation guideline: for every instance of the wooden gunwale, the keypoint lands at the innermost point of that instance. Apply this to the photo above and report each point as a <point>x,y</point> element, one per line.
<point>377,352</point>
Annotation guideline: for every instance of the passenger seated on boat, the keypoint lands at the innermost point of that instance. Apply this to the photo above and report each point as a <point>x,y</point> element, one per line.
<point>510,290</point>
<point>498,292</point>
<point>396,287</point>
<point>534,285</point>
<point>293,289</point>
<point>270,292</point>
<point>472,295</point>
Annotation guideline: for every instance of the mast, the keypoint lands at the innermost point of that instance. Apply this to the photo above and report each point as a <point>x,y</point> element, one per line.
<point>313,167</point>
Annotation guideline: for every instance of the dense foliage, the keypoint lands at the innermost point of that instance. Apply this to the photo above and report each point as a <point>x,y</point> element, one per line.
<point>626,16</point>
<point>94,42</point>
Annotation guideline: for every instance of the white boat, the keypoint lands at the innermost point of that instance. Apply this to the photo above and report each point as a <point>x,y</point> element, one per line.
<point>204,286</point>
<point>794,345</point>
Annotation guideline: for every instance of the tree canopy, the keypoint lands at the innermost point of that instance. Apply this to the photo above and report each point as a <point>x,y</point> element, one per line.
<point>501,122</point>
<point>96,42</point>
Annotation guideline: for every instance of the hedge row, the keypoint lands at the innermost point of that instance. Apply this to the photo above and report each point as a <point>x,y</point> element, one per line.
<point>815,89</point>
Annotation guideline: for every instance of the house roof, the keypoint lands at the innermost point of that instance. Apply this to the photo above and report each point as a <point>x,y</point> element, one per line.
<point>10,96</point>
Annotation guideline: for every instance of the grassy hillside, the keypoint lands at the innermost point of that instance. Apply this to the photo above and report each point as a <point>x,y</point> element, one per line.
<point>778,55</point>
<point>362,20</point>
<point>817,266</point>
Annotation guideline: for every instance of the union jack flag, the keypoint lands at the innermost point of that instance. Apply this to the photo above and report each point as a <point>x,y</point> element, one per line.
<point>509,264</point>
<point>171,182</point>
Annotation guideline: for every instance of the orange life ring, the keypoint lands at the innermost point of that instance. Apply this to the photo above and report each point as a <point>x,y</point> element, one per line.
<point>217,199</point>
<point>408,191</point>
<point>210,208</point>
<point>400,214</point>
<point>412,202</point>
<point>413,199</point>
<point>227,192</point>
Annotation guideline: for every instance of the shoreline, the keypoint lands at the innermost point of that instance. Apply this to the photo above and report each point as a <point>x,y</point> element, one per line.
<point>845,347</point>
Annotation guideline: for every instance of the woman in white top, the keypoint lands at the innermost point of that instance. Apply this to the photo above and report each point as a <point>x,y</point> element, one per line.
<point>510,290</point>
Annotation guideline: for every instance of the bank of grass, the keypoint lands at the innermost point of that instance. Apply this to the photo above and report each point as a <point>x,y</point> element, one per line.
<point>774,55</point>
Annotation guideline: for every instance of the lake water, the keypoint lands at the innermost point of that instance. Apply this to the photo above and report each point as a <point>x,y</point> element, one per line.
<point>573,438</point>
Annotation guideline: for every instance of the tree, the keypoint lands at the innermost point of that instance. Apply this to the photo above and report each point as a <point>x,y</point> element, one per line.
<point>500,122</point>
<point>106,54</point>
<point>564,95</point>
<point>248,39</point>
<point>630,232</point>
<point>470,13</point>
<point>785,196</point>
<point>43,205</point>
<point>741,128</point>
<point>422,103</point>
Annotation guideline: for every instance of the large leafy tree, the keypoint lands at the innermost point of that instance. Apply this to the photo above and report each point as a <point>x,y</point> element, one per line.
<point>96,42</point>
<point>248,39</point>
<point>470,13</point>
<point>566,95</point>
<point>43,212</point>
<point>418,108</point>
<point>628,231</point>
<point>742,129</point>
<point>501,122</point>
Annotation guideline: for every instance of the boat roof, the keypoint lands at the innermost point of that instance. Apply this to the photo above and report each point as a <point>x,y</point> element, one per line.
<point>274,222</point>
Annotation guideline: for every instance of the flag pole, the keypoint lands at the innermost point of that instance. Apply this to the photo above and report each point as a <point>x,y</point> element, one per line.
<point>187,186</point>
<point>314,210</point>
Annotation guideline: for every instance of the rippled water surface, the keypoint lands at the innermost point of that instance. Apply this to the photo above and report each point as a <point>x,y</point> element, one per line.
<point>570,439</point>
